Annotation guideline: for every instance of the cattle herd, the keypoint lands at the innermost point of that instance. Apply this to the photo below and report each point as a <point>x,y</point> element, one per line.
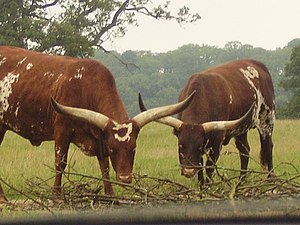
<point>45,97</point>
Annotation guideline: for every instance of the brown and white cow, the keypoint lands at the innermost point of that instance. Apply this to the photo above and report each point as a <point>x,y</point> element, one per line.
<point>223,94</point>
<point>92,114</point>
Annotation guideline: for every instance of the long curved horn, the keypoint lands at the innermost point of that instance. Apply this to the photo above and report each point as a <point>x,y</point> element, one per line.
<point>168,120</point>
<point>225,125</point>
<point>156,113</point>
<point>86,115</point>
<point>141,104</point>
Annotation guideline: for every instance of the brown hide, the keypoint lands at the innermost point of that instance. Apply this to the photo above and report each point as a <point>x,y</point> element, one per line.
<point>34,77</point>
<point>219,112</point>
<point>28,79</point>
<point>82,86</point>
<point>226,93</point>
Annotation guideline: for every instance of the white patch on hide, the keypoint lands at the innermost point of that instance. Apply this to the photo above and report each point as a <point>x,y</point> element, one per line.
<point>78,76</point>
<point>3,60</point>
<point>48,74</point>
<point>6,90</point>
<point>29,66</point>
<point>230,99</point>
<point>79,73</point>
<point>21,62</point>
<point>59,76</point>
<point>263,117</point>
<point>126,137</point>
<point>250,72</point>
<point>57,150</point>
<point>16,111</point>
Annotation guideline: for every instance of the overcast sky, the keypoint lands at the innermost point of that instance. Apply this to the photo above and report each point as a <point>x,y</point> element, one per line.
<point>261,23</point>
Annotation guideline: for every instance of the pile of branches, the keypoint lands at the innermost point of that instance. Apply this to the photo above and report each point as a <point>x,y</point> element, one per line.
<point>84,192</point>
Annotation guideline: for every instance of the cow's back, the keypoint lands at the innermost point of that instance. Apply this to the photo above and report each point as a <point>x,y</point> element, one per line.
<point>28,79</point>
<point>226,92</point>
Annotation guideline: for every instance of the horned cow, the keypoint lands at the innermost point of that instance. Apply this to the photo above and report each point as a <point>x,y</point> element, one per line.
<point>91,113</point>
<point>224,94</point>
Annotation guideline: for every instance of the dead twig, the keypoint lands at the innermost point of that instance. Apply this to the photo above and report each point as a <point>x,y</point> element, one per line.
<point>83,192</point>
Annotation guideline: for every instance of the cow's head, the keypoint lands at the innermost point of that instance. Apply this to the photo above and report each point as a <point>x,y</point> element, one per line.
<point>191,146</point>
<point>120,138</point>
<point>192,138</point>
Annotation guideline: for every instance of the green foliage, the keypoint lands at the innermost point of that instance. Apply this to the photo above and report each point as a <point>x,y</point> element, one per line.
<point>293,43</point>
<point>292,70</point>
<point>18,26</point>
<point>159,77</point>
<point>76,27</point>
<point>291,82</point>
<point>293,107</point>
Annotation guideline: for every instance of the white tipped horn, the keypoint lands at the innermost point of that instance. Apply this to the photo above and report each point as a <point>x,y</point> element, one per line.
<point>156,113</point>
<point>171,121</point>
<point>225,125</point>
<point>86,115</point>
<point>168,120</point>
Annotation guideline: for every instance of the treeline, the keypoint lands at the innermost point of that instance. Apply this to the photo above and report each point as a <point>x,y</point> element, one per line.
<point>159,77</point>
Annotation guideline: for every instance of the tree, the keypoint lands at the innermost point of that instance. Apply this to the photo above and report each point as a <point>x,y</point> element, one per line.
<point>19,23</point>
<point>234,50</point>
<point>161,76</point>
<point>78,26</point>
<point>294,43</point>
<point>291,82</point>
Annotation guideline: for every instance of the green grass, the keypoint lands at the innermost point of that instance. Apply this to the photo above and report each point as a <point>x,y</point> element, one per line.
<point>157,149</point>
<point>156,155</point>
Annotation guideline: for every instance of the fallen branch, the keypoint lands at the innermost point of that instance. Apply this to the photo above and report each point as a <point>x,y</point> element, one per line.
<point>83,192</point>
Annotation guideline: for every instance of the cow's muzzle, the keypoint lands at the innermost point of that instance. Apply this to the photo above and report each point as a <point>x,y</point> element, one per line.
<point>188,172</point>
<point>124,178</point>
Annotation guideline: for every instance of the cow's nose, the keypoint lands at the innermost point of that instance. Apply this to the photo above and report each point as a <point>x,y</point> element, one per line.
<point>188,172</point>
<point>124,178</point>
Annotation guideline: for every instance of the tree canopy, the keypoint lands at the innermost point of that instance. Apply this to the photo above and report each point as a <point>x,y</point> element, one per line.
<point>76,27</point>
<point>159,77</point>
<point>79,28</point>
<point>291,82</point>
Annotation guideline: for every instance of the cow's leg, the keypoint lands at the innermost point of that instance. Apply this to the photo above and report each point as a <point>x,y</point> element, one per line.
<point>200,173</point>
<point>104,166</point>
<point>214,154</point>
<point>266,152</point>
<point>2,195</point>
<point>265,130</point>
<point>62,143</point>
<point>103,160</point>
<point>242,145</point>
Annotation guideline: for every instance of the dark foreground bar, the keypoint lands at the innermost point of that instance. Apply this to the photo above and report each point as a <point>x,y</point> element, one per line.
<point>93,220</point>
<point>264,211</point>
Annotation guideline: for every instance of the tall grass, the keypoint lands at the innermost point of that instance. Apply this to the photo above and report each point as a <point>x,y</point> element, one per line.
<point>156,155</point>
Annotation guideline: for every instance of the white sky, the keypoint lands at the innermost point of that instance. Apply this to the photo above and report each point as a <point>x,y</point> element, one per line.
<point>261,23</point>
